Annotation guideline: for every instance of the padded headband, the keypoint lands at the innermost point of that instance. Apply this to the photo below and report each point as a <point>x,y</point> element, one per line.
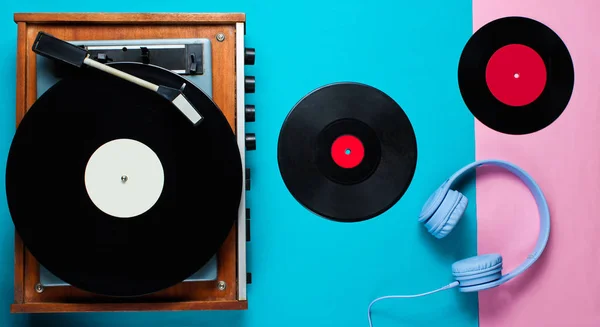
<point>542,205</point>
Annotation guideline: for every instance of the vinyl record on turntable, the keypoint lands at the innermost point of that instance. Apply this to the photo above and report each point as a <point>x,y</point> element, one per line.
<point>114,191</point>
<point>347,152</point>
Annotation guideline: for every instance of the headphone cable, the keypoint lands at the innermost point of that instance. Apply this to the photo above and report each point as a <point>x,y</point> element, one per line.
<point>449,286</point>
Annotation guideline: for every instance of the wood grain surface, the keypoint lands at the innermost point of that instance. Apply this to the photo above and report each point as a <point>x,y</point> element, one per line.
<point>20,106</point>
<point>104,307</point>
<point>132,18</point>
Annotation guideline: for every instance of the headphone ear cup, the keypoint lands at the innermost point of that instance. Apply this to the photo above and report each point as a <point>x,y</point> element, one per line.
<point>447,214</point>
<point>474,273</point>
<point>433,203</point>
<point>457,211</point>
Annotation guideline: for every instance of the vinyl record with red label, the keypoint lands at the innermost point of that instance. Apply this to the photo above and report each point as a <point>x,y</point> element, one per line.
<point>347,152</point>
<point>516,75</point>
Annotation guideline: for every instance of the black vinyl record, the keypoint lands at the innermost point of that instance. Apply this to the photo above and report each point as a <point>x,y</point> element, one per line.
<point>516,75</point>
<point>49,197</point>
<point>347,152</point>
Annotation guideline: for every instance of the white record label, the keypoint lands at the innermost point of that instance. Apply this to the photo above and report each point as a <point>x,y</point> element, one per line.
<point>124,178</point>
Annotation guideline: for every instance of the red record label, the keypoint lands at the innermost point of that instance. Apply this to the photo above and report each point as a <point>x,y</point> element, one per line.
<point>347,151</point>
<point>516,75</point>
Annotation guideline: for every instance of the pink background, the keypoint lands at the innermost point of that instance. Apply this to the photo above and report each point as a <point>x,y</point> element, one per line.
<point>563,287</point>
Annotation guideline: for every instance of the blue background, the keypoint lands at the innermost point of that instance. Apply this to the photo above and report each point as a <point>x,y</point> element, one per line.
<point>308,271</point>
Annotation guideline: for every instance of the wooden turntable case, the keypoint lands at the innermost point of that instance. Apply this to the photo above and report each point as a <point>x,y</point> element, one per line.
<point>228,94</point>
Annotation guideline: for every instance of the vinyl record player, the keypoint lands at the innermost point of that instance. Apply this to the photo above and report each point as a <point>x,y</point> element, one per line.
<point>206,50</point>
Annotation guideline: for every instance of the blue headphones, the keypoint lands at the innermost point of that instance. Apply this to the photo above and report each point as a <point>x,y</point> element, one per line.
<point>445,207</point>
<point>442,212</point>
